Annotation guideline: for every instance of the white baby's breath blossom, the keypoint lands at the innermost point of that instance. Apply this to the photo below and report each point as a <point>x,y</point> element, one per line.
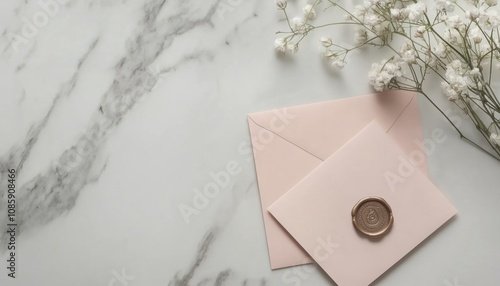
<point>456,84</point>
<point>462,29</point>
<point>382,29</point>
<point>456,65</point>
<point>309,12</point>
<point>382,73</point>
<point>293,48</point>
<point>452,36</point>
<point>360,37</point>
<point>442,17</point>
<point>450,93</point>
<point>495,139</point>
<point>329,54</point>
<point>476,36</point>
<point>372,20</point>
<point>489,19</point>
<point>408,54</point>
<point>484,51</point>
<point>359,11</point>
<point>338,64</point>
<point>475,72</point>
<point>445,5</point>
<point>419,33</point>
<point>430,59</point>
<point>397,14</point>
<point>281,4</point>
<point>299,25</point>
<point>472,14</point>
<point>491,2</point>
<point>382,3</point>
<point>454,21</point>
<point>440,50</point>
<point>280,45</point>
<point>415,11</point>
<point>326,41</point>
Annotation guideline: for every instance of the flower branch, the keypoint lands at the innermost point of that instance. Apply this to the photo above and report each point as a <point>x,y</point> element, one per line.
<point>459,45</point>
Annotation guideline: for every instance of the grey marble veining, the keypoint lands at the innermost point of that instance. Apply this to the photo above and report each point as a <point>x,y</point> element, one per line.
<point>50,194</point>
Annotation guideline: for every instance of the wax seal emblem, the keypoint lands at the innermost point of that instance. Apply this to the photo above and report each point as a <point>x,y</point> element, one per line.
<point>372,216</point>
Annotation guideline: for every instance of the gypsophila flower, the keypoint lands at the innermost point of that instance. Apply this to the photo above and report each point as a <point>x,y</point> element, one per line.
<point>360,37</point>
<point>475,72</point>
<point>294,48</point>
<point>309,12</point>
<point>445,5</point>
<point>329,54</point>
<point>457,66</point>
<point>281,4</point>
<point>372,20</point>
<point>472,14</point>
<point>476,35</point>
<point>450,93</point>
<point>491,2</point>
<point>280,45</point>
<point>431,61</point>
<point>408,54</point>
<point>397,14</point>
<point>416,11</point>
<point>382,29</point>
<point>299,25</point>
<point>338,64</point>
<point>485,50</point>
<point>489,19</point>
<point>326,42</point>
<point>440,50</point>
<point>382,73</point>
<point>454,21</point>
<point>442,17</point>
<point>495,139</point>
<point>381,3</point>
<point>359,11</point>
<point>452,36</point>
<point>419,33</point>
<point>462,29</point>
<point>456,84</point>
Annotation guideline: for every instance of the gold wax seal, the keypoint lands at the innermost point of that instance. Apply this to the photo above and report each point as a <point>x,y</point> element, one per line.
<point>372,216</point>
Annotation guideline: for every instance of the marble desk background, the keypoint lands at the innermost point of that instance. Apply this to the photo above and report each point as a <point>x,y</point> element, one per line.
<point>115,112</point>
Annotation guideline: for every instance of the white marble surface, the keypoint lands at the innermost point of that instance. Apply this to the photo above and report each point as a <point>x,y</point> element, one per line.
<point>114,112</point>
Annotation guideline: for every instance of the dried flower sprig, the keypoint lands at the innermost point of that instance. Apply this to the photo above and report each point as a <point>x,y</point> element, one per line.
<point>459,44</point>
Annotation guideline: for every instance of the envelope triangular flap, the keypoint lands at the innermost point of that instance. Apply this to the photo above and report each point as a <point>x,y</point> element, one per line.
<point>321,128</point>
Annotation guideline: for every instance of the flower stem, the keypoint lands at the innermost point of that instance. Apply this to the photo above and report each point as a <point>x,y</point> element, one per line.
<point>462,136</point>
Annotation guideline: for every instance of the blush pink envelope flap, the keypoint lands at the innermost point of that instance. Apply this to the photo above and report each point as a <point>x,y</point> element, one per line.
<point>289,143</point>
<point>317,211</point>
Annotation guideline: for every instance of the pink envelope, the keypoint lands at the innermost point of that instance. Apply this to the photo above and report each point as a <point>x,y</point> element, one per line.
<point>289,143</point>
<point>317,210</point>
